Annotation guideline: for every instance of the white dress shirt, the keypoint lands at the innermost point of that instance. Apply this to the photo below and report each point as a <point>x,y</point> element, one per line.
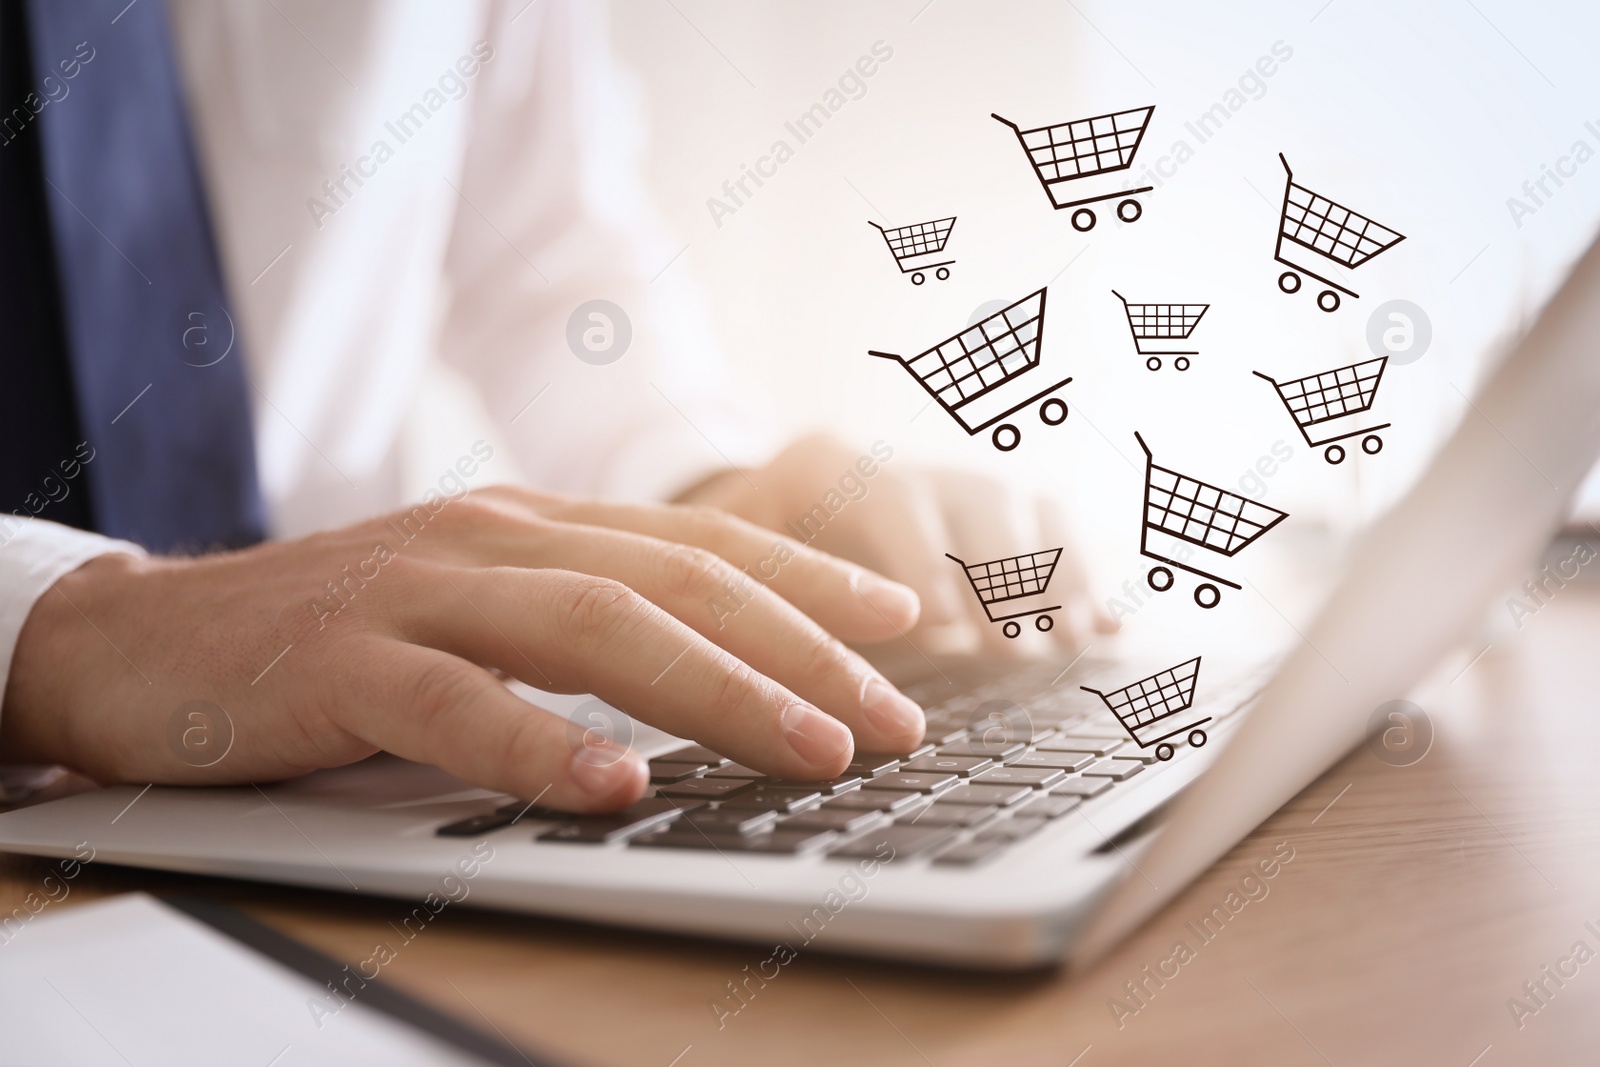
<point>411,199</point>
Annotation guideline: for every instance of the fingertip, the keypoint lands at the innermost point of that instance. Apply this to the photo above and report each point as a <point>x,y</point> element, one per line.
<point>899,604</point>
<point>607,776</point>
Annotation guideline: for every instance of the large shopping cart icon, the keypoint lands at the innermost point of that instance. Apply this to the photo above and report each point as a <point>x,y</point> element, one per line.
<point>1148,708</point>
<point>1083,148</point>
<point>975,374</point>
<point>1201,514</point>
<point>1335,394</point>
<point>1159,330</point>
<point>1012,584</point>
<point>917,248</point>
<point>1329,229</point>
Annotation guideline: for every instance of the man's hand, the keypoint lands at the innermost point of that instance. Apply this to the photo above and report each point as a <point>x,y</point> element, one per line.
<point>387,635</point>
<point>901,520</point>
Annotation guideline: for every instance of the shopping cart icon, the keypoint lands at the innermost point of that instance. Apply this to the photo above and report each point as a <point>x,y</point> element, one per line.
<point>1010,581</point>
<point>916,246</point>
<point>1067,151</point>
<point>1330,230</point>
<point>973,375</point>
<point>1201,514</point>
<point>1158,327</point>
<point>1148,708</point>
<point>1335,394</point>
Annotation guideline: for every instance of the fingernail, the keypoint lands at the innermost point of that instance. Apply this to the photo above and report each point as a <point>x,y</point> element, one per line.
<point>816,738</point>
<point>892,712</point>
<point>898,602</point>
<point>603,770</point>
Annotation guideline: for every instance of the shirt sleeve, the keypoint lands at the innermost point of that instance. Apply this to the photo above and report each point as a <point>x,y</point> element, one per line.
<point>33,555</point>
<point>552,217</point>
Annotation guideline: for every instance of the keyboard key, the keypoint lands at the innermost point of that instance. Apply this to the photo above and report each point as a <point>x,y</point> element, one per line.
<point>963,766</point>
<point>998,795</point>
<point>1116,769</point>
<point>970,853</point>
<point>842,784</point>
<point>782,841</point>
<point>1061,761</point>
<point>478,824</point>
<point>997,751</point>
<point>1081,787</point>
<point>944,735</point>
<point>697,754</point>
<point>924,749</point>
<point>704,788</point>
<point>1013,829</point>
<point>839,820</point>
<point>635,819</point>
<point>662,773</point>
<point>873,800</point>
<point>1095,746</point>
<point>943,814</point>
<point>907,841</point>
<point>867,766</point>
<point>733,770</point>
<point>1049,807</point>
<point>731,820</point>
<point>793,842</point>
<point>914,783</point>
<point>779,800</point>
<point>1037,777</point>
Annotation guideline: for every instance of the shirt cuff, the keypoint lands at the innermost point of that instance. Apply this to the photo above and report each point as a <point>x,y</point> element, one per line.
<point>33,555</point>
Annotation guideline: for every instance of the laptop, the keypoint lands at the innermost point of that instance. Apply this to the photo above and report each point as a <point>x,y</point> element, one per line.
<point>1048,813</point>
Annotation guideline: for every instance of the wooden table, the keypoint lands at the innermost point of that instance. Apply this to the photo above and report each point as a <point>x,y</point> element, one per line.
<point>1418,902</point>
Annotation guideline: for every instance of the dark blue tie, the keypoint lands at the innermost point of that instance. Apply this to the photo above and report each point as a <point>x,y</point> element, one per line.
<point>156,361</point>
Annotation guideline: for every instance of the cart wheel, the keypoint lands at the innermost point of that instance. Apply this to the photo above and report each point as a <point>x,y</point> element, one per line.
<point>1207,595</point>
<point>1160,579</point>
<point>918,278</point>
<point>1182,363</point>
<point>1044,624</point>
<point>1152,363</point>
<point>1130,210</point>
<point>1006,437</point>
<point>1197,738</point>
<point>1334,454</point>
<point>1012,628</point>
<point>1163,751</point>
<point>1328,300</point>
<point>1053,411</point>
<point>1289,281</point>
<point>1372,444</point>
<point>1083,220</point>
<point>942,273</point>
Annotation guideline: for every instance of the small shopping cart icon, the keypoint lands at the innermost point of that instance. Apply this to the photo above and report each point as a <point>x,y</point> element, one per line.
<point>1201,514</point>
<point>975,374</point>
<point>1331,230</point>
<point>1160,330</point>
<point>1148,708</point>
<point>917,248</point>
<point>1083,148</point>
<point>1014,585</point>
<point>1335,394</point>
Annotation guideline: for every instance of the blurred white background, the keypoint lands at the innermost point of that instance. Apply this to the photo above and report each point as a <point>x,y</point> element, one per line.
<point>1428,117</point>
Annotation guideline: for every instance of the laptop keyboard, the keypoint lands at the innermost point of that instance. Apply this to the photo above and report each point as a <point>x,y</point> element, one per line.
<point>998,763</point>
